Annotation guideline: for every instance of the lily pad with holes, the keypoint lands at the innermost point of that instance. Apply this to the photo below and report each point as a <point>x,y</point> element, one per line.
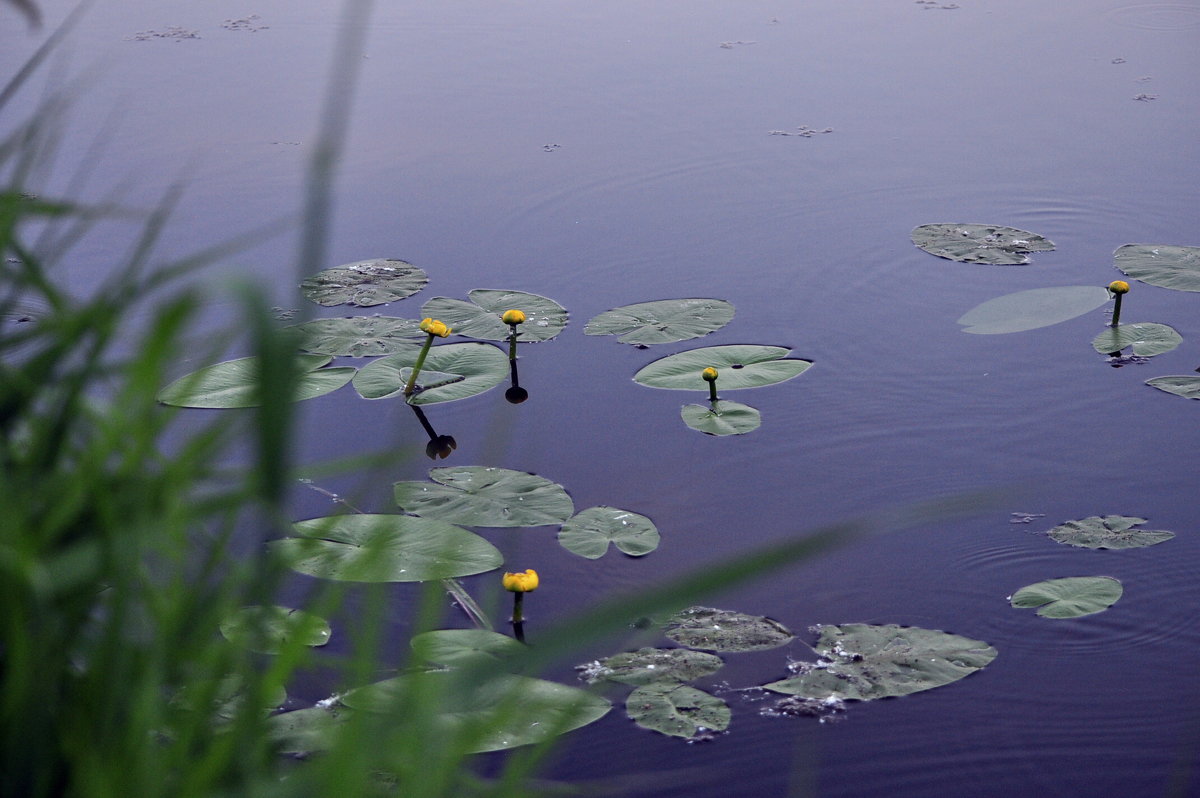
<point>459,646</point>
<point>489,497</point>
<point>677,710</point>
<point>1108,532</point>
<point>481,367</point>
<point>365,283</point>
<point>1179,384</point>
<point>1147,339</point>
<point>590,532</point>
<point>268,629</point>
<point>721,417</point>
<point>651,665</point>
<point>721,630</point>
<point>1164,265</point>
<point>234,383</point>
<point>359,336</point>
<point>663,321</point>
<point>385,548</point>
<point>864,662</point>
<point>979,243</point>
<point>738,366</point>
<point>480,318</point>
<point>1029,310</point>
<point>1071,597</point>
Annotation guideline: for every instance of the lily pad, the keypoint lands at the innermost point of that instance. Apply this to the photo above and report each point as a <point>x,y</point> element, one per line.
<point>358,336</point>
<point>1147,339</point>
<point>481,366</point>
<point>1029,310</point>
<point>589,533</point>
<point>458,646</point>
<point>1108,532</point>
<point>865,662</point>
<point>482,496</point>
<point>480,318</point>
<point>268,629</point>
<point>234,383</point>
<point>1164,265</point>
<point>654,665</point>
<point>662,322</point>
<point>721,630</point>
<point>1071,597</point>
<point>1179,384</point>
<point>365,283</point>
<point>306,731</point>
<point>721,417</point>
<point>385,548</point>
<point>739,366</point>
<point>979,243</point>
<point>677,710</point>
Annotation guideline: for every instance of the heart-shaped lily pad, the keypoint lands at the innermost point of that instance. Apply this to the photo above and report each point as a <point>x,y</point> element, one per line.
<point>1164,265</point>
<point>1029,310</point>
<point>480,318</point>
<point>865,662</point>
<point>385,548</point>
<point>650,665</point>
<point>481,367</point>
<point>358,336</point>
<point>721,417</point>
<point>1071,597</point>
<point>1147,339</point>
<point>365,283</point>
<point>1108,532</point>
<point>234,383</point>
<point>979,243</point>
<point>738,366</point>
<point>663,321</point>
<point>721,630</point>
<point>589,533</point>
<point>1179,384</point>
<point>458,646</point>
<point>268,629</point>
<point>483,496</point>
<point>677,710</point>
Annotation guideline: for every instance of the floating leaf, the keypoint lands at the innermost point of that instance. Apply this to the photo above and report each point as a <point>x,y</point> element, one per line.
<point>979,243</point>
<point>722,630</point>
<point>458,646</point>
<point>721,417</point>
<point>358,336</point>
<point>234,383</point>
<point>650,665</point>
<point>480,318</point>
<point>864,662</point>
<point>1147,339</point>
<point>365,283</point>
<point>306,731</point>
<point>385,548</point>
<point>1071,597</point>
<point>677,710</point>
<point>739,366</point>
<point>1029,310</point>
<point>1178,384</point>
<point>589,533</point>
<point>663,321</point>
<point>1108,532</point>
<point>226,698</point>
<point>268,629</point>
<point>481,366</point>
<point>1166,266</point>
<point>482,496</point>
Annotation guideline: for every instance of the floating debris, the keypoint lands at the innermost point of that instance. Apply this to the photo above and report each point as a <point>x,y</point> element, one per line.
<point>803,131</point>
<point>731,45</point>
<point>1118,60</point>
<point>174,33</point>
<point>1024,518</point>
<point>251,24</point>
<point>1145,98</point>
<point>551,147</point>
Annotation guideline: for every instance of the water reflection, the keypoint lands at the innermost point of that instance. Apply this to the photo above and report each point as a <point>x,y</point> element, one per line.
<point>439,445</point>
<point>515,394</point>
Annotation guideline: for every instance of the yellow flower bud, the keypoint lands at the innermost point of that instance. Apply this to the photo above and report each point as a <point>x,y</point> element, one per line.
<point>521,583</point>
<point>1119,287</point>
<point>709,374</point>
<point>512,317</point>
<point>435,327</point>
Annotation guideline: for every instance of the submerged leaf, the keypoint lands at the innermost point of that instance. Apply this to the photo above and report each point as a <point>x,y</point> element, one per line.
<point>1108,532</point>
<point>365,283</point>
<point>721,630</point>
<point>677,710</point>
<point>481,367</point>
<point>1147,339</point>
<point>1180,384</point>
<point>483,496</point>
<point>1029,310</point>
<point>234,383</point>
<point>480,318</point>
<point>1070,597</point>
<point>721,417</point>
<point>663,321</point>
<point>979,243</point>
<point>589,533</point>
<point>739,365</point>
<point>268,629</point>
<point>1164,265</point>
<point>650,665</point>
<point>458,646</point>
<point>358,336</point>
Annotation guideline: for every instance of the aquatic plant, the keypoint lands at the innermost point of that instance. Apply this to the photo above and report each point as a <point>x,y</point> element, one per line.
<point>432,329</point>
<point>519,584</point>
<point>1118,288</point>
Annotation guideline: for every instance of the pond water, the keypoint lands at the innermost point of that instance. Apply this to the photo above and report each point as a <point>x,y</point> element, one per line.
<point>609,153</point>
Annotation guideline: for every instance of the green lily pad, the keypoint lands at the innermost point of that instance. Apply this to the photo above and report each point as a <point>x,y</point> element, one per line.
<point>662,322</point>
<point>1029,310</point>
<point>979,243</point>
<point>652,665</point>
<point>481,366</point>
<point>1147,339</point>
<point>589,533</point>
<point>1179,384</point>
<point>365,283</point>
<point>358,336</point>
<point>1108,532</point>
<point>721,417</point>
<point>738,366</point>
<point>865,662</point>
<point>268,629</point>
<point>483,496</point>
<point>1164,265</point>
<point>458,646</point>
<point>306,731</point>
<point>1071,597</point>
<point>385,548</point>
<point>234,383</point>
<point>721,630</point>
<point>480,318</point>
<point>227,697</point>
<point>677,710</point>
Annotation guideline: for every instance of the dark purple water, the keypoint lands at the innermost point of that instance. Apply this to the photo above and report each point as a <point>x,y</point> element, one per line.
<point>665,182</point>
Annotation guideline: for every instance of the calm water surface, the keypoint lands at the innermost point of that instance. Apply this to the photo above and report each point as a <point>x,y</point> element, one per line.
<point>617,152</point>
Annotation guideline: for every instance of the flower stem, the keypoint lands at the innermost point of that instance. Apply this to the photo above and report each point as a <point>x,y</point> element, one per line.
<point>712,391</point>
<point>518,615</point>
<point>1117,310</point>
<point>512,344</point>
<point>416,369</point>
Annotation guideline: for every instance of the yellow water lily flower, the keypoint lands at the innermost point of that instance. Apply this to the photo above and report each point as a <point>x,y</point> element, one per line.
<point>513,317</point>
<point>709,374</point>
<point>521,583</point>
<point>435,327</point>
<point>1119,287</point>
